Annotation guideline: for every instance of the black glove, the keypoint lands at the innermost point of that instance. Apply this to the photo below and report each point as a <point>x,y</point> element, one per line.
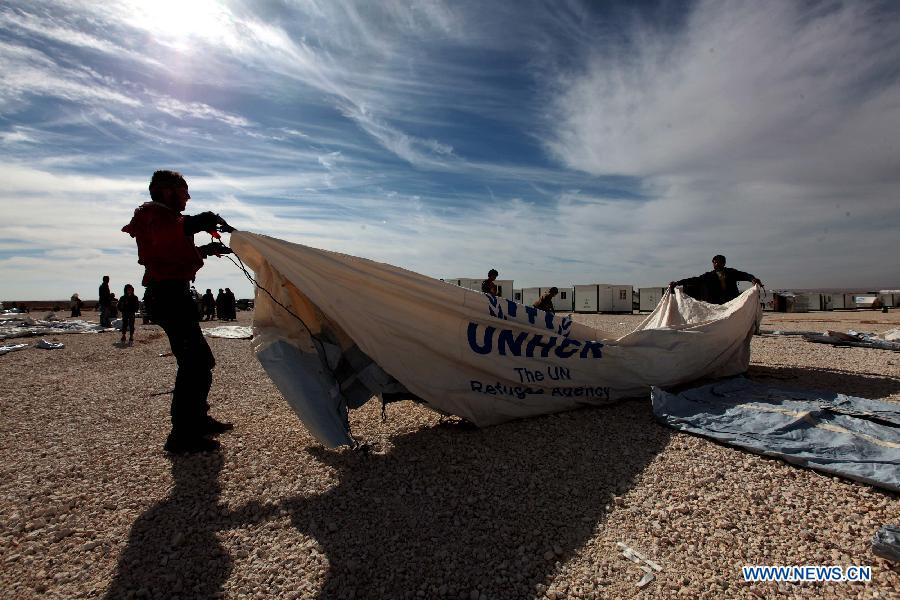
<point>214,248</point>
<point>222,226</point>
<point>206,221</point>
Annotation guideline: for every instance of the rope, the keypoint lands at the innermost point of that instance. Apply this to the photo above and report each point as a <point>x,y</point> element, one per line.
<point>361,446</point>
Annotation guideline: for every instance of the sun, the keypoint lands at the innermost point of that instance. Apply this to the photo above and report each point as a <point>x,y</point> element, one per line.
<point>180,22</point>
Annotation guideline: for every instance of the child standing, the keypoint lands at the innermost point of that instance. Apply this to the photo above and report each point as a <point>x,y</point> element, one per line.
<point>75,304</point>
<point>128,306</point>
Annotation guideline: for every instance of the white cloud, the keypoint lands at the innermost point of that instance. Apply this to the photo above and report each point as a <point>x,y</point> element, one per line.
<point>197,110</point>
<point>762,87</point>
<point>18,135</point>
<point>748,128</point>
<point>29,72</point>
<point>414,150</point>
<point>49,28</point>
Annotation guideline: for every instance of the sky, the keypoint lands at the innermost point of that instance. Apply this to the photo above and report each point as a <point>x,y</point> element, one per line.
<point>559,142</point>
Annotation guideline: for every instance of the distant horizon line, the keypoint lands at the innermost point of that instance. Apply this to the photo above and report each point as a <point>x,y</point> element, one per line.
<point>848,290</point>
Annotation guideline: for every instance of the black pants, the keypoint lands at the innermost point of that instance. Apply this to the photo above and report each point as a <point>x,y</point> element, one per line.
<point>127,323</point>
<point>175,311</point>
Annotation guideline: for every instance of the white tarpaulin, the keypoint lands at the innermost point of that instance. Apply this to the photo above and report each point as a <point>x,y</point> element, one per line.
<point>234,332</point>
<point>384,331</point>
<point>20,325</point>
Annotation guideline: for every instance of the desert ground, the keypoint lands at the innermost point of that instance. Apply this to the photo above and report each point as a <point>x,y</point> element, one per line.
<point>91,506</point>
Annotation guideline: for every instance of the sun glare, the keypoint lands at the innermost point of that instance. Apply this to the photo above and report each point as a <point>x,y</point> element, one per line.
<point>178,22</point>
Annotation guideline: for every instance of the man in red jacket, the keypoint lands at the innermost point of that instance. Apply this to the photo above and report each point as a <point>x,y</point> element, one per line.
<point>165,242</point>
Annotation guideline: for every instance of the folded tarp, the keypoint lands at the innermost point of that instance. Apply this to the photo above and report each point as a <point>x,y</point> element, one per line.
<point>852,338</point>
<point>886,542</point>
<point>856,438</point>
<point>379,330</point>
<point>12,348</point>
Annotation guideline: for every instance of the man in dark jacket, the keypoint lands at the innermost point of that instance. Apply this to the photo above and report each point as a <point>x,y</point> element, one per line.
<point>209,306</point>
<point>165,242</point>
<point>220,305</point>
<point>105,302</point>
<point>720,284</point>
<point>545,302</point>
<point>230,305</point>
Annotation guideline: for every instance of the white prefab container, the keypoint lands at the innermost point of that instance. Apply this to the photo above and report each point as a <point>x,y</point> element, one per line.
<point>530,295</point>
<point>815,301</point>
<point>791,303</point>
<point>504,288</point>
<point>586,298</point>
<point>565,299</point>
<point>517,296</point>
<point>865,300</point>
<point>604,298</point>
<point>622,301</point>
<point>470,284</point>
<point>889,298</point>
<point>649,297</point>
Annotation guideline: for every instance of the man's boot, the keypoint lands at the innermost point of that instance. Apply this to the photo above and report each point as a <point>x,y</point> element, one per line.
<point>212,426</point>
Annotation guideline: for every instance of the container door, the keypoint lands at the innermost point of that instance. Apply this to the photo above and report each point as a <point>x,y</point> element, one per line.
<point>586,298</point>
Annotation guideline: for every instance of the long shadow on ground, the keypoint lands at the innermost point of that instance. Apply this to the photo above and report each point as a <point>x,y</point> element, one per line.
<point>491,510</point>
<point>447,510</point>
<point>172,548</point>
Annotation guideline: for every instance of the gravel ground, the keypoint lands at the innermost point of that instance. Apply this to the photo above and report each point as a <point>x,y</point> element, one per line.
<point>90,505</point>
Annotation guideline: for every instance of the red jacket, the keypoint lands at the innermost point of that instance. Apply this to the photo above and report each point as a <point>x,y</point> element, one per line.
<point>165,247</point>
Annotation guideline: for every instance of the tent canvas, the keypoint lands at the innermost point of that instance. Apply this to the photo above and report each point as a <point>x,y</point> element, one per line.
<point>359,329</point>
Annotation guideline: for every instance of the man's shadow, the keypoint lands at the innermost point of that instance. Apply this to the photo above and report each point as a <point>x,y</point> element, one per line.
<point>492,510</point>
<point>172,548</point>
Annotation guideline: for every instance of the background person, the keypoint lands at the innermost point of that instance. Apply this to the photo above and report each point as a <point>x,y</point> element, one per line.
<point>146,318</point>
<point>209,306</point>
<point>128,306</point>
<point>230,305</point>
<point>113,307</point>
<point>720,284</point>
<point>488,286</point>
<point>198,302</point>
<point>545,302</point>
<point>75,304</point>
<point>165,243</point>
<point>220,304</point>
<point>105,302</point>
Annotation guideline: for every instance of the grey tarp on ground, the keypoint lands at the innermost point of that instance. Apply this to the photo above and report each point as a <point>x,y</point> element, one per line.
<point>841,435</point>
